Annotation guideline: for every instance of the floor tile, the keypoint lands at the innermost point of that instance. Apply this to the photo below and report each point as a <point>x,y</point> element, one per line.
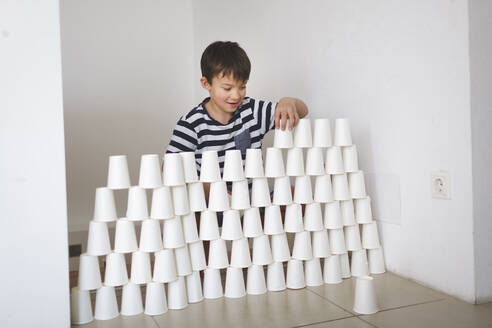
<point>353,322</point>
<point>141,321</point>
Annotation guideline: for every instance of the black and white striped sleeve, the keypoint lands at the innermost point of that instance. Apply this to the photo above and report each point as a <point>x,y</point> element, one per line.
<point>264,112</point>
<point>184,138</point>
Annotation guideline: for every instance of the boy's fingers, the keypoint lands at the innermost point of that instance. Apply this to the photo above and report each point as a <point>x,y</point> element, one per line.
<point>297,119</point>
<point>283,121</point>
<point>277,119</point>
<point>291,119</point>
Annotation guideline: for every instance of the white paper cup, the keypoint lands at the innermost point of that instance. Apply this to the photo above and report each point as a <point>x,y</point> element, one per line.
<point>313,219</point>
<point>254,163</point>
<point>189,166</point>
<point>363,211</point>
<point>312,271</point>
<point>370,236</point>
<point>342,136</point>
<point>256,280</point>
<point>322,133</point>
<point>89,273</point>
<point>276,277</point>
<point>155,299</point>
<point>340,187</point>
<point>332,270</point>
<point>280,248</point>
<point>314,161</point>
<point>321,244</point>
<point>302,191</point>
<point>150,172</point>
<point>295,275</point>
<point>217,254</point>
<point>350,158</point>
<point>282,192</point>
<point>302,134</point>
<point>197,254</point>
<point>240,255</point>
<point>376,260</point>
<point>106,305</point>
<point>293,218</point>
<point>209,170</point>
<point>173,173</point>
<point>334,161</point>
<point>118,176</point>
<point>231,225</point>
<point>345,265</point>
<point>274,163</point>
<point>233,166</point>
<point>183,261</point>
<point>260,193</point>
<point>262,254</point>
<point>189,228</point>
<point>150,236</point>
<point>273,220</point>
<point>180,200</point>
<point>165,266</point>
<point>333,215</point>
<point>172,233</point>
<point>283,139</point>
<point>240,195</point>
<point>131,300</point>
<point>295,162</point>
<point>209,227</point>
<point>177,297</point>
<point>137,204</point>
<point>352,237</point>
<point>212,284</point>
<point>80,307</point>
<point>323,192</point>
<point>162,204</point>
<point>196,197</point>
<point>194,287</point>
<point>358,263</point>
<point>347,210</point>
<point>365,299</point>
<point>115,274</point>
<point>357,185</point>
<point>140,269</point>
<point>234,287</point>
<point>337,241</point>
<point>104,206</point>
<point>218,199</point>
<point>252,223</point>
<point>302,249</point>
<point>98,239</point>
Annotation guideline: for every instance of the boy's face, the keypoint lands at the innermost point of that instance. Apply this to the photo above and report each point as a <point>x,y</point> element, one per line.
<point>226,94</point>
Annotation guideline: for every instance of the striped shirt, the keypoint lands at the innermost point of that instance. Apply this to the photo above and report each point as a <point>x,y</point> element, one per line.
<point>197,131</point>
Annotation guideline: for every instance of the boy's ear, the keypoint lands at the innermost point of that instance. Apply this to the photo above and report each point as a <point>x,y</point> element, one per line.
<point>205,84</point>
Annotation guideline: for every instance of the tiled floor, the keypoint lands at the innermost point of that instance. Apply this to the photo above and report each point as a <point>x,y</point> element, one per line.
<point>403,304</point>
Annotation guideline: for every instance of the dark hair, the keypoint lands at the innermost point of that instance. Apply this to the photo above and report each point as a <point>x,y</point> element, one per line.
<point>226,58</point>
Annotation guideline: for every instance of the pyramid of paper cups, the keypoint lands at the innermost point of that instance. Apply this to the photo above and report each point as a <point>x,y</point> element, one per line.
<point>325,210</point>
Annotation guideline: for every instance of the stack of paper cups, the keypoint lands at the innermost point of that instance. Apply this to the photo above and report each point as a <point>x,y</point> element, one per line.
<point>150,172</point>
<point>177,298</point>
<point>233,166</point>
<point>89,274</point>
<point>359,265</point>
<point>274,163</point>
<point>252,223</point>
<point>376,260</point>
<point>370,237</point>
<point>162,204</point>
<point>137,204</point>
<point>340,187</point>
<point>106,304</point>
<point>254,163</point>
<point>240,195</point>
<point>234,287</point>
<point>218,200</point>
<point>189,166</point>
<point>293,218</point>
<point>322,133</point>
<point>104,208</point>
<point>302,191</point>
<point>260,194</point>
<point>155,299</point>
<point>80,307</point>
<point>196,197</point>
<point>363,211</point>
<point>283,139</point>
<point>350,158</point>
<point>347,211</point>
<point>131,300</point>
<point>314,161</point>
<point>302,134</point>
<point>164,266</point>
<point>323,192</point>
<point>273,220</point>
<point>334,161</point>
<point>282,193</point>
<point>209,228</point>
<point>333,215</point>
<point>343,136</point>
<point>212,284</point>
<point>118,175</point>
<point>295,162</point>
<point>365,300</point>
<point>194,287</point>
<point>197,254</point>
<point>276,277</point>
<point>172,232</point>
<point>98,239</point>
<point>312,271</point>
<point>332,270</point>
<point>256,280</point>
<point>210,171</point>
<point>295,275</point>
<point>140,269</point>
<point>173,174</point>
<point>357,185</point>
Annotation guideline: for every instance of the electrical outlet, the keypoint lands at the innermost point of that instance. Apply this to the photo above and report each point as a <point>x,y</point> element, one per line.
<point>74,250</point>
<point>440,185</point>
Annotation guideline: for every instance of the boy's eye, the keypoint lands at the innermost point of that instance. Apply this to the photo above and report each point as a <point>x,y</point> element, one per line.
<point>227,89</point>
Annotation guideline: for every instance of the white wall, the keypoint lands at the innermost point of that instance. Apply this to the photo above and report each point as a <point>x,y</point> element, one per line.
<point>33,237</point>
<point>481,116</point>
<point>400,72</point>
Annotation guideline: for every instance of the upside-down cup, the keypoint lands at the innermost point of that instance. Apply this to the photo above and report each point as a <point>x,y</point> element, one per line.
<point>189,166</point>
<point>347,210</point>
<point>313,219</point>
<point>89,273</point>
<point>177,298</point>
<point>357,185</point>
<point>162,204</point>
<point>173,173</point>
<point>350,158</point>
<point>293,218</point>
<point>342,136</point>
<point>240,255</point>
<point>140,269</point>
<point>256,280</point>
<point>190,229</point>
<point>254,163</point>
<point>233,166</point>
<point>352,237</point>
<point>183,261</point>
<point>212,284</point>
<point>365,299</point>
<point>262,254</point>
<point>115,274</point>
<point>131,300</point>
<point>370,236</point>
<point>363,211</point>
<point>295,162</point>
<point>314,161</point>
<point>155,299</point>
<point>322,133</point>
<point>280,248</point>
<point>210,171</point>
<point>172,233</point>
<point>302,134</point>
<point>106,305</point>
<point>295,275</point>
<point>334,161</point>
<point>98,239</point>
<point>337,241</point>
<point>252,223</point>
<point>80,307</point>
<point>240,195</point>
<point>260,193</point>
<point>275,277</point>
<point>282,193</point>
<point>209,227</point>
<point>283,138</point>
<point>332,270</point>
<point>218,199</point>
<point>358,263</point>
<point>323,192</point>
<point>231,225</point>
<point>137,204</point>
<point>180,200</point>
<point>234,287</point>
<point>104,206</point>
<point>150,172</point>
<point>196,197</point>
<point>312,271</point>
<point>274,163</point>
<point>333,215</point>
<point>321,244</point>
<point>340,187</point>
<point>376,260</point>
<point>165,266</point>
<point>303,193</point>
<point>345,265</point>
<point>150,236</point>
<point>197,254</point>
<point>302,249</point>
<point>273,220</point>
<point>118,175</point>
<point>217,254</point>
<point>194,287</point>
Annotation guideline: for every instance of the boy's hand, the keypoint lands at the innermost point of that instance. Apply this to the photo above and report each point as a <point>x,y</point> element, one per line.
<point>286,110</point>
